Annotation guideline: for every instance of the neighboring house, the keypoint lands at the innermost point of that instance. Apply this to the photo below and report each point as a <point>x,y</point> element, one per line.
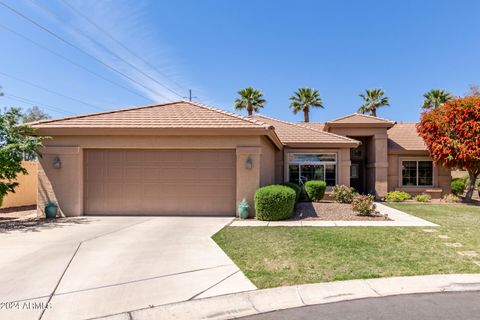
<point>186,158</point>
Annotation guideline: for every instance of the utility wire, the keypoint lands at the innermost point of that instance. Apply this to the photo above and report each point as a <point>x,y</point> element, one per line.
<point>46,106</point>
<point>83,34</point>
<point>118,42</point>
<point>72,61</point>
<point>77,48</point>
<point>51,91</point>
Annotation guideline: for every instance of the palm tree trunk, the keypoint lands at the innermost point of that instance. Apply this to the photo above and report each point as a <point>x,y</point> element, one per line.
<point>250,110</point>
<point>306,115</point>
<point>374,111</point>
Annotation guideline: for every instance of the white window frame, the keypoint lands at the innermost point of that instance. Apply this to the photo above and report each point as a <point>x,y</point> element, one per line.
<point>416,161</point>
<point>323,163</point>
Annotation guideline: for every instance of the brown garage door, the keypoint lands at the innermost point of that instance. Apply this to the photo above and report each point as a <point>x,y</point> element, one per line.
<point>160,182</point>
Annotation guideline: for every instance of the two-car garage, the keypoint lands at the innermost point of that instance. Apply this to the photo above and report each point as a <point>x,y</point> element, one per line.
<point>166,182</point>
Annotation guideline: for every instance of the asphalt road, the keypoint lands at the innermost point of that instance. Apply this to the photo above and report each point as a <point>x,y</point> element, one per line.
<point>432,306</point>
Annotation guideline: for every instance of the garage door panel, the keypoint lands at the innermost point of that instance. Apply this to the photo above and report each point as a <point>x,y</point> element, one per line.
<point>160,182</point>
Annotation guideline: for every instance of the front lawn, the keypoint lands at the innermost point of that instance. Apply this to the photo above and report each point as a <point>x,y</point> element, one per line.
<point>278,256</point>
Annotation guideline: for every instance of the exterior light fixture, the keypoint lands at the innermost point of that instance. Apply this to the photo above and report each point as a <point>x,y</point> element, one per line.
<point>57,164</point>
<point>248,163</point>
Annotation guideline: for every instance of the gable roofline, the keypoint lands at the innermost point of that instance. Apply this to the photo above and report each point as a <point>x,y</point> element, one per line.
<point>142,107</point>
<point>378,122</point>
<point>346,139</point>
<point>360,115</point>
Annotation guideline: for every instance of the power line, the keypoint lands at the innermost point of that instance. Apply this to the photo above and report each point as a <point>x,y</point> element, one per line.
<point>51,91</point>
<point>46,106</point>
<point>118,42</point>
<point>77,48</point>
<point>72,61</point>
<point>78,31</point>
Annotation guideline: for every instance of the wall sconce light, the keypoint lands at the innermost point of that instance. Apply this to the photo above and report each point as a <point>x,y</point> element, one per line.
<point>248,163</point>
<point>57,164</point>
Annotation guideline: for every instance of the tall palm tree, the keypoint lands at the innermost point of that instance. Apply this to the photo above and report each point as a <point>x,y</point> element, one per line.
<point>434,98</point>
<point>373,99</point>
<point>304,99</point>
<point>250,99</point>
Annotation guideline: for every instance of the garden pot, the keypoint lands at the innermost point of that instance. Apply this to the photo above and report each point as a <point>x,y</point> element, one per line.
<point>51,212</point>
<point>243,209</point>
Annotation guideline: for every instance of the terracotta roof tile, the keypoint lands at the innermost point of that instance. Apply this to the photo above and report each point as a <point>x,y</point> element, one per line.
<point>182,114</point>
<point>314,125</point>
<point>404,136</point>
<point>295,133</point>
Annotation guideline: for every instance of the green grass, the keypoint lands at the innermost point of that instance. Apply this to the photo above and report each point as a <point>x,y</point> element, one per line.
<point>278,256</point>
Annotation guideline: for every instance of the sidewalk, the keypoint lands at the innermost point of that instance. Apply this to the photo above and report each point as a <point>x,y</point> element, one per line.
<point>254,302</point>
<point>399,219</point>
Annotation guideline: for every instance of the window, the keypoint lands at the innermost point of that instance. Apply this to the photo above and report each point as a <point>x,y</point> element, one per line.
<point>417,173</point>
<point>303,167</point>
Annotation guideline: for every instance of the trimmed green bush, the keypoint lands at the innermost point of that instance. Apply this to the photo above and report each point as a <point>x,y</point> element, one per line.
<point>315,189</point>
<point>423,198</point>
<point>343,194</point>
<point>397,196</point>
<point>458,187</point>
<point>274,202</point>
<point>363,204</point>
<point>295,187</point>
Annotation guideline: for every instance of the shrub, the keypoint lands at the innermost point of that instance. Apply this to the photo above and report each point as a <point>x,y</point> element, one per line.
<point>397,196</point>
<point>363,204</point>
<point>315,189</point>
<point>343,194</point>
<point>295,187</point>
<point>274,202</point>
<point>458,187</point>
<point>451,198</point>
<point>423,198</point>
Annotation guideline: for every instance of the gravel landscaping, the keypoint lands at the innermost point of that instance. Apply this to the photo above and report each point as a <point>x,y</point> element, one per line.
<point>330,211</point>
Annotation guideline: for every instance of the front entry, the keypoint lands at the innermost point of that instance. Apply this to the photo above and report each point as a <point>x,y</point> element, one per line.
<point>357,180</point>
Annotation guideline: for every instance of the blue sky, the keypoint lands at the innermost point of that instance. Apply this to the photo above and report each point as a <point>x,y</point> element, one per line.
<point>219,47</point>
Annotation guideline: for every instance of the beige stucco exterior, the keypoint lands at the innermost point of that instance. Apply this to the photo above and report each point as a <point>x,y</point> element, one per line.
<point>66,185</point>
<point>26,192</point>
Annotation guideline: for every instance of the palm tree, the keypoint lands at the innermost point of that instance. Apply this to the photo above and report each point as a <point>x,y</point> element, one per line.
<point>373,99</point>
<point>250,99</point>
<point>434,98</point>
<point>304,99</point>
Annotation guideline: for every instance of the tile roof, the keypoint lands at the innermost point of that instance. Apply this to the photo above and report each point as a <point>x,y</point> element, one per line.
<point>181,114</point>
<point>404,136</point>
<point>295,133</point>
<point>355,118</point>
<point>314,125</point>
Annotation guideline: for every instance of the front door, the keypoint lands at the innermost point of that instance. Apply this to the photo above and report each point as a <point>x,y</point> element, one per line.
<point>356,176</point>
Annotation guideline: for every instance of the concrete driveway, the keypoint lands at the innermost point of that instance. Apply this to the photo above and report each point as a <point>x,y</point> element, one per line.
<point>90,267</point>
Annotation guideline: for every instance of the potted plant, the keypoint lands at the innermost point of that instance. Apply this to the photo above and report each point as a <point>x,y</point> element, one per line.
<point>243,209</point>
<point>51,209</point>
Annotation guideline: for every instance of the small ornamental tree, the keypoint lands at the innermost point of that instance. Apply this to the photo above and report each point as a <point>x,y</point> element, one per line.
<point>16,143</point>
<point>452,135</point>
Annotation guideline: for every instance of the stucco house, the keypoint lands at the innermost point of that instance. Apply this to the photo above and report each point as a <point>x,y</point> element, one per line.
<point>184,158</point>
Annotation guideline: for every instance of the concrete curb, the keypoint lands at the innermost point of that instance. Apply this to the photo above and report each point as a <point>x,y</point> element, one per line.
<point>259,301</point>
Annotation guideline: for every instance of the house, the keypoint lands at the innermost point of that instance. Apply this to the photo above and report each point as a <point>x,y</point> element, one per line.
<point>184,158</point>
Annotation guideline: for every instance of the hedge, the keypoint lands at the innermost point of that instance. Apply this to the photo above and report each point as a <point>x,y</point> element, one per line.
<point>315,189</point>
<point>458,187</point>
<point>295,187</point>
<point>274,202</point>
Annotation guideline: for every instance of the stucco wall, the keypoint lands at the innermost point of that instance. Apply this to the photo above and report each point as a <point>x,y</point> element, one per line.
<point>65,185</point>
<point>441,176</point>
<point>268,162</point>
<point>26,192</point>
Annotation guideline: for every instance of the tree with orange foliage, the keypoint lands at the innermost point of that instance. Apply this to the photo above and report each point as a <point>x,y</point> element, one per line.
<point>452,135</point>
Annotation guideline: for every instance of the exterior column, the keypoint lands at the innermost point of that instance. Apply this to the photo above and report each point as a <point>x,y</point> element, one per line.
<point>63,184</point>
<point>344,165</point>
<point>381,165</point>
<point>248,175</point>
